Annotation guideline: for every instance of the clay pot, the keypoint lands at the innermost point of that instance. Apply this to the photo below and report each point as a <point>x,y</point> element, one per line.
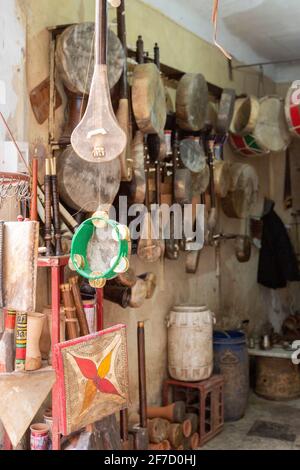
<point>39,437</point>
<point>194,441</point>
<point>175,435</point>
<point>48,419</point>
<point>35,322</point>
<point>158,430</point>
<point>174,412</point>
<point>187,428</point>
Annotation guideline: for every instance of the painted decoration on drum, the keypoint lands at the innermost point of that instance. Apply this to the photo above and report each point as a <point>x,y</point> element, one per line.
<point>246,145</point>
<point>93,377</point>
<point>292,113</point>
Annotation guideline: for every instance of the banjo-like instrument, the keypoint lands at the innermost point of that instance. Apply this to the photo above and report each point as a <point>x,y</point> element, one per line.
<point>98,137</point>
<point>243,193</point>
<point>123,113</point>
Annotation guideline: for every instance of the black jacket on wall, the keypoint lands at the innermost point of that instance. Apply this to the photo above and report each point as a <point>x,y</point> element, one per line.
<point>277,261</point>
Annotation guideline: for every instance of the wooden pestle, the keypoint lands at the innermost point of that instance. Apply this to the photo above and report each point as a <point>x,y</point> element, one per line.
<point>158,430</point>
<point>83,324</point>
<point>187,428</point>
<point>175,413</point>
<point>194,441</point>
<point>70,311</point>
<point>176,435</point>
<point>193,417</point>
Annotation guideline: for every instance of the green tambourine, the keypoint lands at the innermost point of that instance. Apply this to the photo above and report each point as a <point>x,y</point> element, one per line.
<point>110,251</point>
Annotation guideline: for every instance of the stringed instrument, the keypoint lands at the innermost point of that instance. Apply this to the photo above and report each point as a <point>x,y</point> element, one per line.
<point>171,244</point>
<point>149,246</point>
<point>99,137</point>
<point>123,113</point>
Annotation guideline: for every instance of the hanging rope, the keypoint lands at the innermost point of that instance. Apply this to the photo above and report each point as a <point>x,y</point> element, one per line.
<point>215,24</point>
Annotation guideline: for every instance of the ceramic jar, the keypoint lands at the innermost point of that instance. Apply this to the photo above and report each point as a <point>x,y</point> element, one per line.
<point>35,323</point>
<point>39,436</point>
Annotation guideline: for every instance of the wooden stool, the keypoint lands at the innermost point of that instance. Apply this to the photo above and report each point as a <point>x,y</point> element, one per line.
<point>204,398</point>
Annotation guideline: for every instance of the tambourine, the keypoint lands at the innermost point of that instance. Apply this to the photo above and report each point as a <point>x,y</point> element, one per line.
<point>100,250</point>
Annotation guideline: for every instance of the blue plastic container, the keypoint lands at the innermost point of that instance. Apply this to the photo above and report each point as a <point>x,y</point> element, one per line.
<point>232,361</point>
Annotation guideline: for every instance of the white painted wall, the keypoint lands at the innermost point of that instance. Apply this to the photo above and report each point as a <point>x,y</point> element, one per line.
<point>12,68</point>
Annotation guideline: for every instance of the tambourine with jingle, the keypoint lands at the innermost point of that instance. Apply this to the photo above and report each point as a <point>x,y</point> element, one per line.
<point>100,249</point>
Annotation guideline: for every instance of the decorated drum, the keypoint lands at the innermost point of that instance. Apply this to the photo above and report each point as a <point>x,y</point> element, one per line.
<point>100,249</point>
<point>246,145</point>
<point>292,112</point>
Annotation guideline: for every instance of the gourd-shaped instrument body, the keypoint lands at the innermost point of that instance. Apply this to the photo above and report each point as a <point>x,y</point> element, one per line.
<point>98,137</point>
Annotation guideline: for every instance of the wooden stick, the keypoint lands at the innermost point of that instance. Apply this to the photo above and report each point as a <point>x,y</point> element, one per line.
<point>70,311</point>
<point>33,206</point>
<point>83,324</point>
<point>47,184</point>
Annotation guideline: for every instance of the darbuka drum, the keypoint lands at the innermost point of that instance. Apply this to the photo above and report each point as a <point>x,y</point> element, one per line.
<point>75,57</point>
<point>271,131</point>
<point>14,188</point>
<point>292,112</point>
<point>246,145</point>
<point>85,186</point>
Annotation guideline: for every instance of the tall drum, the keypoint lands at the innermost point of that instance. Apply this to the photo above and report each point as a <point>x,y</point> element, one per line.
<point>190,347</point>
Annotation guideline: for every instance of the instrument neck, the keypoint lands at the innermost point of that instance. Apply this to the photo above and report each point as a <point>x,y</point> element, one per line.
<point>101,32</point>
<point>123,38</point>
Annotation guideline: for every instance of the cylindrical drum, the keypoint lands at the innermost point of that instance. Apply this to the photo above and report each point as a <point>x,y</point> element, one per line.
<point>232,361</point>
<point>190,350</point>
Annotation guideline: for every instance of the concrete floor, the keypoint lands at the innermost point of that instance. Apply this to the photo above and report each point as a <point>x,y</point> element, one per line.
<point>234,436</point>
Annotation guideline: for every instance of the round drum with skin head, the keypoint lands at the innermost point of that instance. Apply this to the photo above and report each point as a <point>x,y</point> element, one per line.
<point>271,131</point>
<point>75,57</point>
<point>245,115</point>
<point>86,185</point>
<point>191,102</point>
<point>192,154</point>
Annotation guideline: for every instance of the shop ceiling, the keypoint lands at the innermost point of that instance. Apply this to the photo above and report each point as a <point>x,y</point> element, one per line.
<point>267,30</point>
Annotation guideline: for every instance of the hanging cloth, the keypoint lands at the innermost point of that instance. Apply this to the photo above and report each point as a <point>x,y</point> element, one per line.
<point>277,260</point>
